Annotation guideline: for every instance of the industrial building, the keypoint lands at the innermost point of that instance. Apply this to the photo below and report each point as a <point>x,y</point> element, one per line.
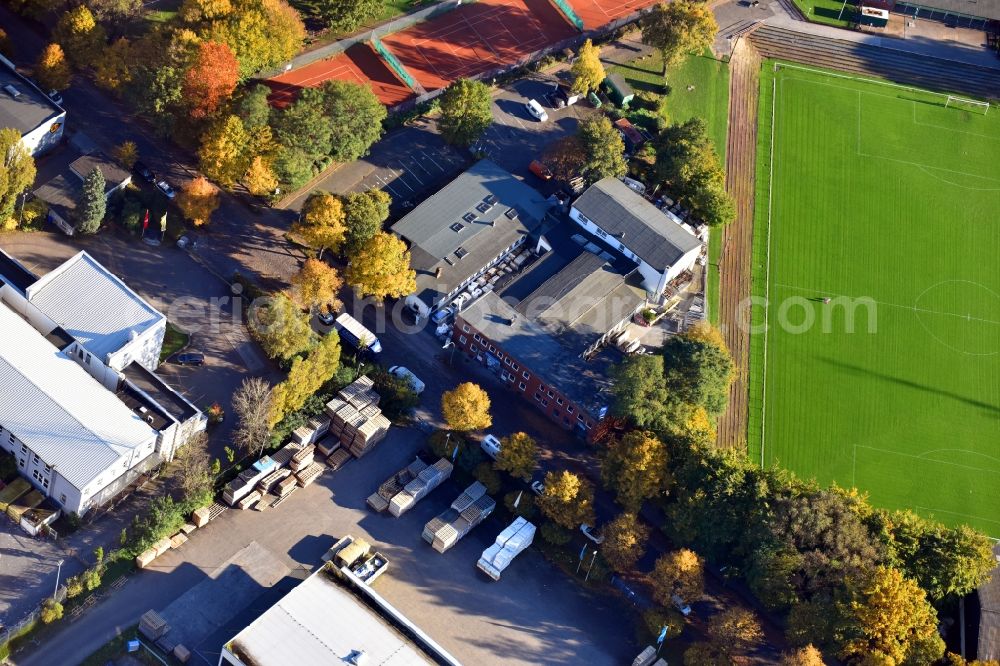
<point>26,108</point>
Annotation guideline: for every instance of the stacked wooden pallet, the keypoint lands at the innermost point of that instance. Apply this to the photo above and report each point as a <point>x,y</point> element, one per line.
<point>284,455</point>
<point>338,459</point>
<point>248,500</point>
<point>379,500</point>
<point>285,487</point>
<point>355,418</point>
<point>309,474</point>
<point>426,481</point>
<point>302,458</point>
<point>265,484</point>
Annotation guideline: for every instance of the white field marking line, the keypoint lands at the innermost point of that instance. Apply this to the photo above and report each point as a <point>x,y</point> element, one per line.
<point>854,466</point>
<point>948,129</point>
<point>767,271</point>
<point>975,453</point>
<point>980,470</point>
<point>914,308</point>
<point>411,172</point>
<point>928,171</point>
<point>418,164</point>
<point>861,79</point>
<point>964,515</point>
<point>432,161</point>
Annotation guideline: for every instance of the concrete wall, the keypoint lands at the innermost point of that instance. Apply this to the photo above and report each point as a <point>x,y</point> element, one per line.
<point>145,349</point>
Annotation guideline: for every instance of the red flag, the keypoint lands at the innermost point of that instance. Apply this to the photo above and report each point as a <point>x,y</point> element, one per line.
<point>145,220</point>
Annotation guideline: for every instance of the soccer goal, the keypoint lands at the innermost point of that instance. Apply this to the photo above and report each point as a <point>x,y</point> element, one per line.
<point>965,104</point>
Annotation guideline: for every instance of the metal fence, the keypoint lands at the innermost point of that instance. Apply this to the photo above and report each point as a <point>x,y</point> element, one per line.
<point>31,618</point>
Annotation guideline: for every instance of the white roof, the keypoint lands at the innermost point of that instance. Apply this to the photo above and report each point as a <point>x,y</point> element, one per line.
<point>55,407</point>
<point>319,623</point>
<point>92,305</point>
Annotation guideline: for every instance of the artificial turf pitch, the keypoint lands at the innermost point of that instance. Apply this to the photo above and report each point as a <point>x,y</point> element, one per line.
<point>871,191</point>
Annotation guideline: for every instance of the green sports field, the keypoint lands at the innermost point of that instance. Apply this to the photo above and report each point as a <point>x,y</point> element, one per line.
<point>887,202</point>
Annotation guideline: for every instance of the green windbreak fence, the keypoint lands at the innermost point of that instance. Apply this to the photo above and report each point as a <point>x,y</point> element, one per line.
<point>394,63</point>
<point>569,13</point>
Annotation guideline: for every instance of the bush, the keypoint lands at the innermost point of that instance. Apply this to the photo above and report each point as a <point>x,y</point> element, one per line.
<point>74,587</point>
<point>557,535</point>
<point>646,99</point>
<point>443,445</point>
<point>489,477</point>
<point>525,508</point>
<point>655,619</point>
<point>397,395</point>
<point>52,610</point>
<point>92,578</point>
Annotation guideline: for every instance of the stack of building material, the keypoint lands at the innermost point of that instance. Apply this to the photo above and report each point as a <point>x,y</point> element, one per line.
<point>309,474</point>
<point>379,500</point>
<point>265,484</point>
<point>248,500</point>
<point>327,445</point>
<point>514,539</point>
<point>245,483</point>
<point>312,431</point>
<point>20,506</point>
<point>285,487</point>
<point>283,456</point>
<point>152,626</point>
<point>355,419</point>
<point>414,491</point>
<point>338,459</point>
<point>368,434</point>
<point>468,510</point>
<point>302,458</point>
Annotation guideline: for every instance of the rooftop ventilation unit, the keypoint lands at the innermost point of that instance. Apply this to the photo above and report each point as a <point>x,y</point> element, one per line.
<point>458,226</point>
<point>490,199</point>
<point>483,207</point>
<point>12,91</point>
<point>511,213</point>
<point>469,217</point>
<point>461,252</point>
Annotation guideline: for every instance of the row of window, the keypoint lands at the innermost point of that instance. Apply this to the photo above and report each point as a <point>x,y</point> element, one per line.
<point>489,265</point>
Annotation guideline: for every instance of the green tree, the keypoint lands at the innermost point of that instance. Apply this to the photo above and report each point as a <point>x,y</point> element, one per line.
<point>127,153</point>
<point>635,468</point>
<point>260,33</point>
<point>697,372</point>
<point>17,171</point>
<point>687,162</point>
<point>52,610</point>
<point>293,166</point>
<point>603,148</point>
<point>304,126</point>
<point>223,155</point>
<point>307,375</point>
<point>565,158</point>
<point>466,407</point>
<point>567,500</point>
<point>252,107</point>
<point>194,470</point>
<point>345,16</point>
<point>680,572</point>
<point>587,70</point>
<point>364,214</point>
<point>321,226</point>
<point>886,617</point>
<point>280,327</point>
<point>93,204</point>
<point>679,28</point>
<point>624,542</point>
<point>640,393</point>
<point>80,35</point>
<point>466,111</point>
<point>772,575</point>
<point>382,268</point>
<point>115,11</point>
<point>518,455</point>
<point>489,477</point>
<point>52,71</point>
<point>355,117</point>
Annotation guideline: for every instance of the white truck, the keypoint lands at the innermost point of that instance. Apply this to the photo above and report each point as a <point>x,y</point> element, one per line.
<point>354,333</point>
<point>508,545</point>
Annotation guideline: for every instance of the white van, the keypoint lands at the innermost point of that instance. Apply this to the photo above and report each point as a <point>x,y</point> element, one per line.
<point>491,446</point>
<point>536,110</point>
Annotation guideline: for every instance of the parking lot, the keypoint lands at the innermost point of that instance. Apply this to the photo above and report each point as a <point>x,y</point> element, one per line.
<point>515,137</point>
<point>410,163</point>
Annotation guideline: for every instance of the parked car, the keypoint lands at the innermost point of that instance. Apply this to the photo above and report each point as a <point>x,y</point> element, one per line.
<point>190,358</point>
<point>164,187</point>
<point>538,487</point>
<point>144,172</point>
<point>679,604</point>
<point>592,534</point>
<point>536,110</point>
<point>402,373</point>
<point>326,318</point>
<point>490,446</point>
<point>442,315</point>
<point>56,97</point>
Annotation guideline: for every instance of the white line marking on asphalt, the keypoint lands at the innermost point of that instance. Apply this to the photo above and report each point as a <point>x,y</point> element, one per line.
<point>411,172</point>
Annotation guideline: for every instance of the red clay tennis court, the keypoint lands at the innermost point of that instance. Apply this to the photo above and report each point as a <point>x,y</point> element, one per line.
<point>598,13</point>
<point>358,64</point>
<point>476,38</point>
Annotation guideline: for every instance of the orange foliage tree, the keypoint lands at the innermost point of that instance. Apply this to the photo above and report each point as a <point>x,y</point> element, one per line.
<point>211,78</point>
<point>198,200</point>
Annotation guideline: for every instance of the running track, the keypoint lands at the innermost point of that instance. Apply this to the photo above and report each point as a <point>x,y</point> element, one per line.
<point>476,38</point>
<point>358,64</point>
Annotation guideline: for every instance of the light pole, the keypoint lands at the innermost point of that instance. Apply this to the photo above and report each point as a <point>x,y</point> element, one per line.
<point>587,577</point>
<point>58,571</point>
<point>451,344</point>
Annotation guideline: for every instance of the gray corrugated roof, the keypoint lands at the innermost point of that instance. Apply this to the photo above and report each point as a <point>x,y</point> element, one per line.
<point>319,623</point>
<point>55,407</point>
<point>93,305</point>
<point>989,9</point>
<point>433,242</point>
<point>548,331</point>
<point>29,109</point>
<point>637,224</point>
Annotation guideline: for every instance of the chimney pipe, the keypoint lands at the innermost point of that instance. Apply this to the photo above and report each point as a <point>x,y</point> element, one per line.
<point>438,271</point>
